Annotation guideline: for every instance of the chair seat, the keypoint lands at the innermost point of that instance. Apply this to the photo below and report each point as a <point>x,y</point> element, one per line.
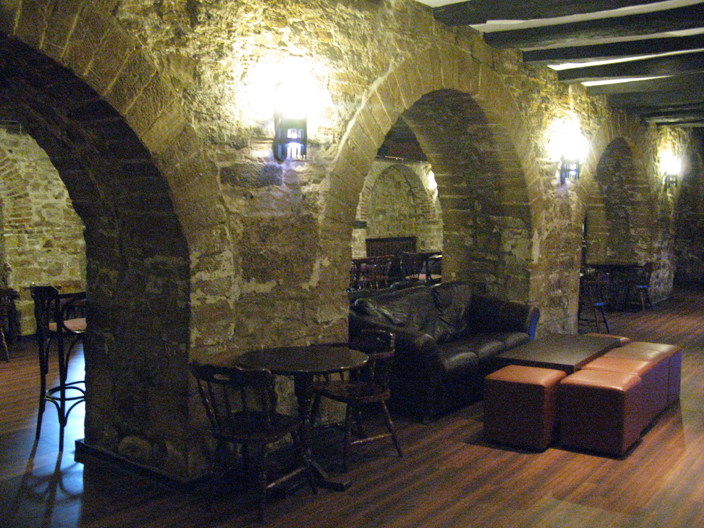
<point>344,391</point>
<point>256,427</point>
<point>76,326</point>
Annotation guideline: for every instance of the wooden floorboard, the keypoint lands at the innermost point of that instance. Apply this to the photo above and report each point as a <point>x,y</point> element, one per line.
<point>449,476</point>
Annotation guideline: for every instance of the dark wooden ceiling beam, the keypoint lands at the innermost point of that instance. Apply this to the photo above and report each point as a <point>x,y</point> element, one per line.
<point>643,101</point>
<point>633,48</point>
<point>671,65</point>
<point>688,17</point>
<point>670,112</point>
<point>692,119</point>
<point>679,82</point>
<point>481,11</point>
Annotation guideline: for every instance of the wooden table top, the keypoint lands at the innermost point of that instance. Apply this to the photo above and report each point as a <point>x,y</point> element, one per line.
<point>559,351</point>
<point>311,359</point>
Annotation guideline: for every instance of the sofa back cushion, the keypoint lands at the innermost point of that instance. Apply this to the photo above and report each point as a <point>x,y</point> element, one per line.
<point>451,301</point>
<point>438,311</point>
<point>392,308</point>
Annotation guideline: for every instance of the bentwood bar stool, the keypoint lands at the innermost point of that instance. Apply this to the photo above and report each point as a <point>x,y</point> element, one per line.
<point>60,318</point>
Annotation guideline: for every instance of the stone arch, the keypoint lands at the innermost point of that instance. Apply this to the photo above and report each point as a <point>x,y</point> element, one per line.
<point>421,216</point>
<point>114,132</point>
<point>487,174</point>
<point>614,196</point>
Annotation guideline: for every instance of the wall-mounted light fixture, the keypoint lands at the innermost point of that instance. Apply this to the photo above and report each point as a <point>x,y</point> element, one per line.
<point>568,144</point>
<point>670,167</point>
<point>290,123</point>
<point>569,169</point>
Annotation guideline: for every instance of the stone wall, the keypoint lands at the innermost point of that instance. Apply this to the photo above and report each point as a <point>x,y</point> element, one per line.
<point>689,236</point>
<point>42,234</point>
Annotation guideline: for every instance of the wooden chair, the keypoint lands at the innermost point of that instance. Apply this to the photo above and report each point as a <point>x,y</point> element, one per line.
<point>240,405</point>
<point>6,331</point>
<point>642,285</point>
<point>371,386</point>
<point>61,318</point>
<point>412,266</point>
<point>593,299</point>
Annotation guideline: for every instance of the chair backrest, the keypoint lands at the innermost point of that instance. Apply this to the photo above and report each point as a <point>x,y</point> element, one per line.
<point>47,307</point>
<point>52,307</point>
<point>380,346</point>
<point>6,298</point>
<point>643,273</point>
<point>226,391</point>
<point>412,265</point>
<point>595,291</point>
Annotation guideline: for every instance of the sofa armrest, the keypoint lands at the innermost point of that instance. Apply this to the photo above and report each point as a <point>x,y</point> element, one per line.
<point>408,342</point>
<point>490,314</point>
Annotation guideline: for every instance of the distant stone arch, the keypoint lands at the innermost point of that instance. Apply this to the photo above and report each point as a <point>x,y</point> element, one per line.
<point>395,202</point>
<point>486,172</point>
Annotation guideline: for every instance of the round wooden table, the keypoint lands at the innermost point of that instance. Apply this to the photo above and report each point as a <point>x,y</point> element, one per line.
<point>303,363</point>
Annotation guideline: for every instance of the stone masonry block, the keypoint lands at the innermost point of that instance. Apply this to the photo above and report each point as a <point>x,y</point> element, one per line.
<point>168,124</point>
<point>60,25</point>
<point>435,72</point>
<point>376,107</point>
<point>109,60</point>
<point>375,122</point>
<point>135,74</point>
<point>390,95</point>
<point>408,81</point>
<point>148,105</point>
<point>449,67</point>
<point>31,23</point>
<point>88,36</point>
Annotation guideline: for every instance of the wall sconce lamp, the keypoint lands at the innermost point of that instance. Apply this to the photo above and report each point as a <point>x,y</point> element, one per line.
<point>670,166</point>
<point>290,123</point>
<point>569,145</point>
<point>670,180</point>
<point>569,169</point>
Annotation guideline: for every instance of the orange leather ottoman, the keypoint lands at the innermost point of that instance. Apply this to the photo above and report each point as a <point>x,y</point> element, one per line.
<point>654,375</point>
<point>520,406</point>
<point>599,411</point>
<point>672,354</point>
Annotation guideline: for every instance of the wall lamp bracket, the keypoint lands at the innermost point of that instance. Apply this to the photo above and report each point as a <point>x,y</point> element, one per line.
<point>290,125</point>
<point>569,169</point>
<point>670,180</point>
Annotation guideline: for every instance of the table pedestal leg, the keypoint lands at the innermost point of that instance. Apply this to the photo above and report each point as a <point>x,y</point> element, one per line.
<point>303,384</point>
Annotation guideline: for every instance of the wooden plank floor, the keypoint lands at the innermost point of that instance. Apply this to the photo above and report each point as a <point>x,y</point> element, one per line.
<point>449,477</point>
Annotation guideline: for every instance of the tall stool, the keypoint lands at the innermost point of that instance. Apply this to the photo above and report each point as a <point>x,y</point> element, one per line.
<point>593,299</point>
<point>6,296</point>
<point>520,406</point>
<point>59,317</point>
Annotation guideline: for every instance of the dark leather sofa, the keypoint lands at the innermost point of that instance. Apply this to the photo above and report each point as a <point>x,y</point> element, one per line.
<point>446,337</point>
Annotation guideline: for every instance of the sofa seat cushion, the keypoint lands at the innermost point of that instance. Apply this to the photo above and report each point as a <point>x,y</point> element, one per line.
<point>486,345</point>
<point>512,339</point>
<point>457,357</point>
